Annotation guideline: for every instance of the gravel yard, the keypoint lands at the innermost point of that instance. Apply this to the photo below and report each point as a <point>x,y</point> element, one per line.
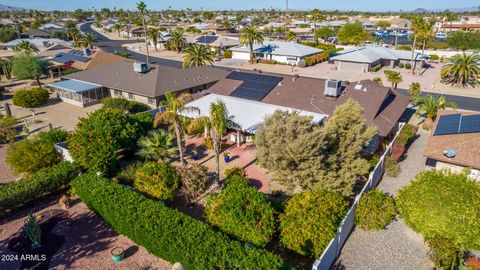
<point>6,175</point>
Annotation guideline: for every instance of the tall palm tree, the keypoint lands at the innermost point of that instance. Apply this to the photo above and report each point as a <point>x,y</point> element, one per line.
<point>177,41</point>
<point>414,90</point>
<point>462,69</point>
<point>156,145</point>
<point>143,9</point>
<point>249,35</point>
<point>74,34</point>
<point>198,55</point>
<point>394,78</point>
<point>26,46</point>
<point>153,35</point>
<point>417,25</point>
<point>290,36</point>
<point>88,40</point>
<point>174,105</point>
<point>279,31</point>
<point>315,15</point>
<point>425,33</point>
<point>219,122</point>
<point>117,27</point>
<point>429,106</point>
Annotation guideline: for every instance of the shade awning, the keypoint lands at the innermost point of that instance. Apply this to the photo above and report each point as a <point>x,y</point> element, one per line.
<point>74,86</point>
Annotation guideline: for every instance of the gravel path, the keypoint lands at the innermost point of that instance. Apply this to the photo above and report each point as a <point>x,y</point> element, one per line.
<point>396,247</point>
<point>6,174</point>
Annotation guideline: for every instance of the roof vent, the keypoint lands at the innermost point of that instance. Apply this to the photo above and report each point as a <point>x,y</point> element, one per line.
<point>333,88</point>
<point>140,67</point>
<point>449,153</point>
<point>358,86</point>
<point>280,84</point>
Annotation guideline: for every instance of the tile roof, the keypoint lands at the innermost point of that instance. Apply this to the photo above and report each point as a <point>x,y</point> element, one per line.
<point>154,83</point>
<point>280,48</point>
<point>382,106</point>
<point>466,145</point>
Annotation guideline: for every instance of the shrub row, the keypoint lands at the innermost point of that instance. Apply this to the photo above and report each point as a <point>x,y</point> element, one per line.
<point>376,68</point>
<point>315,59</point>
<point>403,140</point>
<point>124,105</point>
<point>166,232</point>
<point>30,98</point>
<point>37,186</point>
<point>267,61</point>
<point>405,65</point>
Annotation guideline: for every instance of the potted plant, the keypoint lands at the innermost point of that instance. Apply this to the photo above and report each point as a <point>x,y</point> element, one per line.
<point>226,157</point>
<point>117,254</point>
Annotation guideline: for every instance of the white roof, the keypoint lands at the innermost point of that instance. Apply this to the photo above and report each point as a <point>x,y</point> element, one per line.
<point>51,26</point>
<point>212,40</point>
<point>38,42</point>
<point>280,48</point>
<point>371,54</point>
<point>247,114</point>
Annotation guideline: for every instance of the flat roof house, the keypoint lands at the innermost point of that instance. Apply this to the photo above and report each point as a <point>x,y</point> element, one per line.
<point>281,51</point>
<point>362,59</point>
<point>455,142</point>
<point>134,81</point>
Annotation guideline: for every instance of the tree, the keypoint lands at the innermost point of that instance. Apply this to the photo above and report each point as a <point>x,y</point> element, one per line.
<point>7,34</point>
<point>142,8</point>
<point>463,40</point>
<point>417,24</point>
<point>177,41</point>
<point>429,106</point>
<point>156,145</point>
<point>311,220</point>
<point>442,203</point>
<point>375,211</point>
<point>242,211</point>
<point>415,89</point>
<point>353,33</point>
<point>26,47</point>
<point>324,33</point>
<point>383,24</point>
<point>425,33</point>
<point>31,155</point>
<point>174,105</point>
<point>219,122</point>
<point>117,27</point>
<point>157,180</point>
<point>153,35</point>
<point>378,80</point>
<point>291,36</point>
<point>462,70</point>
<point>99,138</point>
<point>249,35</point>
<point>198,55</point>
<point>194,181</point>
<point>394,77</point>
<point>315,15</point>
<point>88,40</point>
<point>26,66</point>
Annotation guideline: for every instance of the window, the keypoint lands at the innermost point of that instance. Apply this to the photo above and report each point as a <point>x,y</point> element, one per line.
<point>151,101</point>
<point>131,96</point>
<point>117,93</point>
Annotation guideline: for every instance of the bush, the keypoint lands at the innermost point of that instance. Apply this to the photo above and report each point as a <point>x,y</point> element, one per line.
<point>30,98</point>
<point>408,66</point>
<point>376,68</point>
<point>235,171</point>
<point>392,168</point>
<point>157,180</point>
<point>401,65</point>
<point>124,105</point>
<point>194,180</point>
<point>240,210</point>
<point>407,134</point>
<point>29,156</point>
<point>208,143</point>
<point>310,221</point>
<point>267,61</point>
<point>196,126</point>
<point>404,47</point>
<point>69,71</point>
<point>127,175</point>
<point>434,57</point>
<point>444,252</point>
<point>375,211</point>
<point>442,203</point>
<point>145,120</point>
<point>302,63</point>
<point>315,59</point>
<point>227,54</point>
<point>35,187</point>
<point>7,128</point>
<point>168,233</point>
<point>54,136</point>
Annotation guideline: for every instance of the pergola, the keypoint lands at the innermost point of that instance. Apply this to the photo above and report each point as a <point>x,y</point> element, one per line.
<point>78,92</point>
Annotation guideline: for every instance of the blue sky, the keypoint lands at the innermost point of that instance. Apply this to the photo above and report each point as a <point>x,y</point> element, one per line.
<point>373,5</point>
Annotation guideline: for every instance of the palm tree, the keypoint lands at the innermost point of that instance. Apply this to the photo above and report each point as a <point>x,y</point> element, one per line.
<point>378,80</point>
<point>219,122</point>
<point>74,34</point>
<point>462,69</point>
<point>425,33</point>
<point>198,55</point>
<point>226,25</point>
<point>88,40</point>
<point>156,145</point>
<point>315,15</point>
<point>249,35</point>
<point>279,31</point>
<point>429,106</point>
<point>117,27</point>
<point>25,46</point>
<point>177,41</point>
<point>143,9</point>
<point>414,90</point>
<point>153,35</point>
<point>290,36</point>
<point>174,105</point>
<point>394,77</point>
<point>417,24</point>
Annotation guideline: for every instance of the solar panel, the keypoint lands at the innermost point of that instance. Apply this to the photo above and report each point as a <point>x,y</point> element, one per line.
<point>470,124</point>
<point>448,124</point>
<point>254,86</point>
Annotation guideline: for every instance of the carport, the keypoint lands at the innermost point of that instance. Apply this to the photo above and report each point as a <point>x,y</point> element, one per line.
<point>78,92</point>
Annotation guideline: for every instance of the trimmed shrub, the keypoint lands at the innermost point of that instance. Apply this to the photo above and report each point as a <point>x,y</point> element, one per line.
<point>35,187</point>
<point>376,68</point>
<point>145,120</point>
<point>29,156</point>
<point>240,210</point>
<point>54,136</point>
<point>7,128</point>
<point>401,65</point>
<point>311,220</point>
<point>196,126</point>
<point>434,57</point>
<point>443,203</point>
<point>168,233</point>
<point>124,105</point>
<point>227,54</point>
<point>208,143</point>
<point>127,175</point>
<point>444,252</point>
<point>392,168</point>
<point>157,180</point>
<point>407,134</point>
<point>30,98</point>
<point>375,211</point>
<point>235,171</point>
<point>408,66</point>
<point>267,61</point>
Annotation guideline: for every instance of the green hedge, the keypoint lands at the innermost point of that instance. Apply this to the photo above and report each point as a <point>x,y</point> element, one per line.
<point>37,186</point>
<point>30,98</point>
<point>168,233</point>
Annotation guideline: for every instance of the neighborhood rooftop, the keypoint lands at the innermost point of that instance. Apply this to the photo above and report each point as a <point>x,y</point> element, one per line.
<point>280,48</point>
<point>372,54</point>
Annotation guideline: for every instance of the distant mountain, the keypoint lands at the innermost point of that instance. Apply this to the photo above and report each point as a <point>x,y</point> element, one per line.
<point>10,8</point>
<point>420,10</point>
<point>466,9</point>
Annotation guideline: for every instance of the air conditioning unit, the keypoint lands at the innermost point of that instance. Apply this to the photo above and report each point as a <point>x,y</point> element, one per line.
<point>140,67</point>
<point>333,88</point>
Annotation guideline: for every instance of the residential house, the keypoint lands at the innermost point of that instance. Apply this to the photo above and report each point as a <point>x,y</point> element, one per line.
<point>454,142</point>
<point>281,51</point>
<point>36,33</point>
<point>219,41</point>
<point>41,43</point>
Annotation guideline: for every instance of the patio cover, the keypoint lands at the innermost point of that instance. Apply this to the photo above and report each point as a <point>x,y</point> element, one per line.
<point>247,114</point>
<point>74,86</point>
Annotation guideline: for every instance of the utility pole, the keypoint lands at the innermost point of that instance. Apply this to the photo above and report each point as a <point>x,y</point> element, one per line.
<point>286,18</point>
